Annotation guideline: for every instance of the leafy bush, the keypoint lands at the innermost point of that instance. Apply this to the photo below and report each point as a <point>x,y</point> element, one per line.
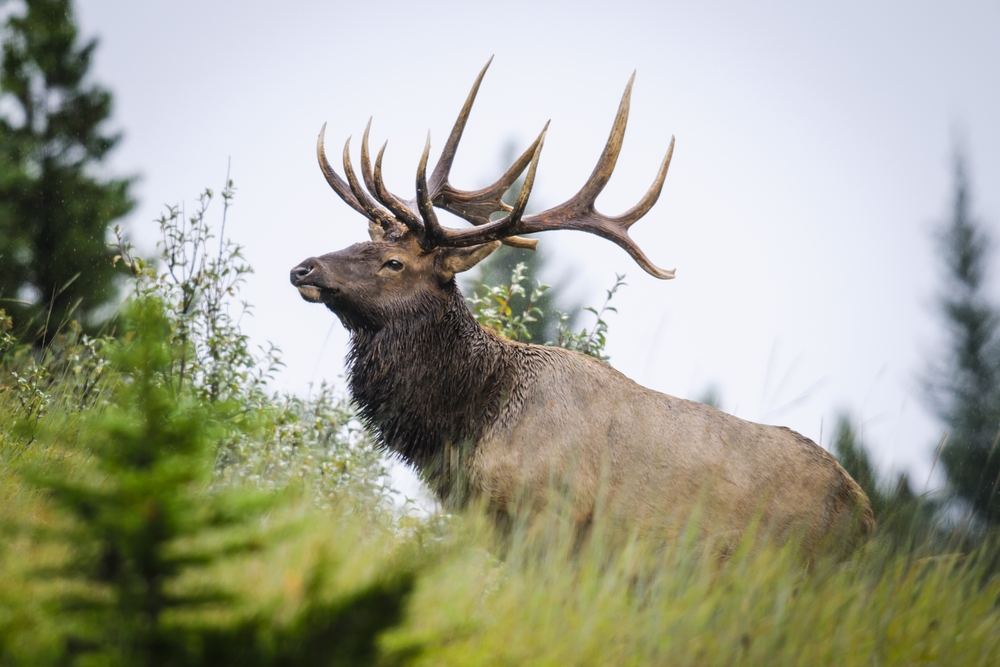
<point>590,342</point>
<point>199,283</point>
<point>493,306</point>
<point>198,278</point>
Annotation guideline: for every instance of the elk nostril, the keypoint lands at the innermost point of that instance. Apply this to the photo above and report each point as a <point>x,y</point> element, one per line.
<point>300,272</point>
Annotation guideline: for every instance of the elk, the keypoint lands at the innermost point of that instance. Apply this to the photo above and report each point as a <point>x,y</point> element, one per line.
<point>484,417</point>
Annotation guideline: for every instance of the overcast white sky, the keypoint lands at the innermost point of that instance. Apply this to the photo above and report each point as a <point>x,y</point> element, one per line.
<point>812,162</point>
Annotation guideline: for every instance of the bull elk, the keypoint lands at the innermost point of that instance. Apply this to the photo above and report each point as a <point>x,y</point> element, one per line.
<point>482,416</point>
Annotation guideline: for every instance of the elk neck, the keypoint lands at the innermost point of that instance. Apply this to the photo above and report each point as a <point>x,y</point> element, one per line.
<point>431,383</point>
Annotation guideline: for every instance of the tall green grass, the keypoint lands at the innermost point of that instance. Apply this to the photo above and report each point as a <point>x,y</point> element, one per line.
<point>334,581</point>
<point>679,606</point>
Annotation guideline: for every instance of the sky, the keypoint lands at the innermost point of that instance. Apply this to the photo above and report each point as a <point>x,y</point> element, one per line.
<point>813,162</point>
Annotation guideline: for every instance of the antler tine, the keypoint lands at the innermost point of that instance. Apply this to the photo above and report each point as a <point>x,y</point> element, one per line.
<point>631,216</point>
<point>476,206</point>
<point>439,179</point>
<point>336,182</point>
<point>366,165</point>
<point>371,209</point>
<point>506,225</point>
<point>529,180</point>
<point>399,208</point>
<point>432,229</point>
<point>377,187</point>
<point>609,156</point>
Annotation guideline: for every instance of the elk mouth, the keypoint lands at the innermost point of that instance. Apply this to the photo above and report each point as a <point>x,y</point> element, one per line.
<point>304,278</point>
<point>310,293</point>
<point>316,294</point>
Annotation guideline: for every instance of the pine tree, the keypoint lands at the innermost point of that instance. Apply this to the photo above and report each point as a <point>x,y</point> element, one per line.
<point>54,207</point>
<point>139,501</point>
<point>964,386</point>
<point>140,515</point>
<point>899,513</point>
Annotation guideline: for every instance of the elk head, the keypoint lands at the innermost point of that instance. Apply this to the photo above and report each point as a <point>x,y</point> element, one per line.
<point>411,257</point>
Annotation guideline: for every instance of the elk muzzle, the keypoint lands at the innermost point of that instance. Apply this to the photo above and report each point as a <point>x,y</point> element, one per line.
<point>300,277</point>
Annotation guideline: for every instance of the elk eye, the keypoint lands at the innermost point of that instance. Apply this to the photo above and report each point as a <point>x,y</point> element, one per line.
<point>393,264</point>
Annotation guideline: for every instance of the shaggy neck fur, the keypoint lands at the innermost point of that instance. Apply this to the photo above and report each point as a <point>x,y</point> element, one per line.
<point>430,384</point>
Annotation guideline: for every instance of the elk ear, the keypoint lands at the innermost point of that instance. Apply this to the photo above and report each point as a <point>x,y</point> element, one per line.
<point>455,260</point>
<point>375,231</point>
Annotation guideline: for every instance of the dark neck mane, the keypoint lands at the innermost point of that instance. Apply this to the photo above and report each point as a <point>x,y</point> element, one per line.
<point>429,385</point>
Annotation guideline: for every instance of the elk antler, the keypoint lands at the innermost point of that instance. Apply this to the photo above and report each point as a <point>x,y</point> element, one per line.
<point>476,206</point>
<point>576,213</point>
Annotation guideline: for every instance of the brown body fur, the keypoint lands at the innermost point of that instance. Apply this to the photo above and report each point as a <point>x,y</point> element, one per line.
<point>654,460</point>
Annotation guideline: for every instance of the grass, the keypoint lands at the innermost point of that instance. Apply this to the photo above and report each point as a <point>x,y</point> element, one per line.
<point>545,602</point>
<point>642,605</point>
<point>475,599</point>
